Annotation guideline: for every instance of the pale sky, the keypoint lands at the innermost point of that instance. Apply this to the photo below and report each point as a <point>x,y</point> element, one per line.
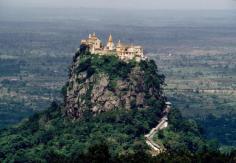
<point>124,4</point>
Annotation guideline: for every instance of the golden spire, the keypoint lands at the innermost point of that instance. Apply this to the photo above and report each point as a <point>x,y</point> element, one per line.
<point>110,38</point>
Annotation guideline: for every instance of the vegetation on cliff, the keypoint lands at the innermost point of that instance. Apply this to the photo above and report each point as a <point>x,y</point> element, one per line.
<point>103,83</point>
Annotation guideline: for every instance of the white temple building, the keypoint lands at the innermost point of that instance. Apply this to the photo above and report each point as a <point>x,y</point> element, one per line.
<point>123,51</point>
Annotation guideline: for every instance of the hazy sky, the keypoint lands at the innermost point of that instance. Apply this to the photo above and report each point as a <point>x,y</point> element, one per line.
<point>134,4</point>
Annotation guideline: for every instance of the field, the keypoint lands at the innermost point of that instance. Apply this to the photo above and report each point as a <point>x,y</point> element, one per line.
<point>195,50</point>
<point>27,85</point>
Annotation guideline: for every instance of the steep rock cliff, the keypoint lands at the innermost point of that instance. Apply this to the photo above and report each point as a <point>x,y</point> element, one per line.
<point>104,83</point>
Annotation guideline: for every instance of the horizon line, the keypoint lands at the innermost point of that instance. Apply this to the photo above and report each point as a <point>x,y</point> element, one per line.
<point>123,9</point>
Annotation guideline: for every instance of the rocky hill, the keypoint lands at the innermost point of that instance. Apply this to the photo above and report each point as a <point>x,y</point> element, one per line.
<point>104,83</point>
<point>110,105</point>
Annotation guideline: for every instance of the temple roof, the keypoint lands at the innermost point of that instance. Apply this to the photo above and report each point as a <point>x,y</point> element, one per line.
<point>110,38</point>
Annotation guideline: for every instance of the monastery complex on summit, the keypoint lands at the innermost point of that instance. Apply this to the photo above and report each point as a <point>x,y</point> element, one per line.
<point>123,51</point>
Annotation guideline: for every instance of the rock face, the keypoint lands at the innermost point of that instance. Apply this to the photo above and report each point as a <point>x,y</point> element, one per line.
<point>98,92</point>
